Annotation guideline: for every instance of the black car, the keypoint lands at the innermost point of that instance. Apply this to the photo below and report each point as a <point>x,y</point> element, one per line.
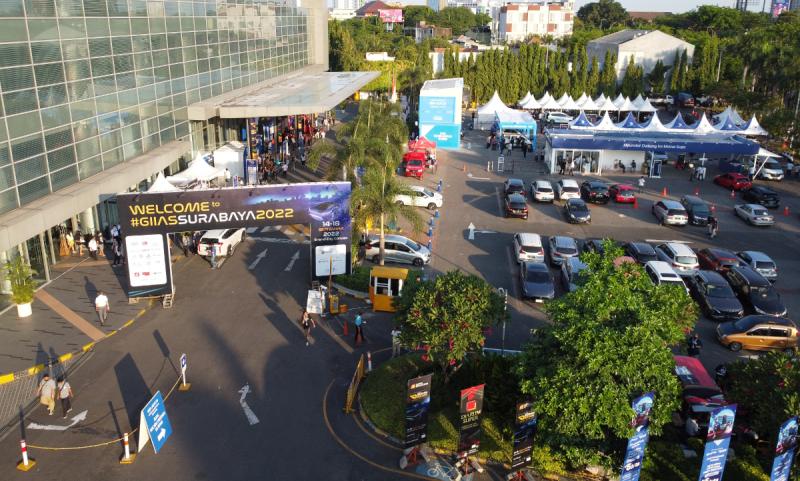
<point>593,244</point>
<point>697,209</point>
<point>537,281</point>
<point>577,211</point>
<point>755,291</point>
<point>595,191</point>
<point>762,195</point>
<point>641,251</point>
<point>514,186</point>
<point>516,206</point>
<point>715,296</point>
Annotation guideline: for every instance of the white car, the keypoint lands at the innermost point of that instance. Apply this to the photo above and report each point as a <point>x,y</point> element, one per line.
<point>421,197</point>
<point>398,249</point>
<point>559,118</point>
<point>568,189</point>
<point>679,256</point>
<point>528,247</point>
<point>771,170</point>
<point>542,191</point>
<point>754,214</point>
<point>662,273</point>
<point>225,241</point>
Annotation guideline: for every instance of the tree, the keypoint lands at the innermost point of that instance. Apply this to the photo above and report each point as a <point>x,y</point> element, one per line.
<point>608,77</point>
<point>603,14</point>
<point>632,81</point>
<point>609,342</point>
<point>656,76</point>
<point>343,55</point>
<point>594,78</point>
<point>447,316</point>
<point>675,76</point>
<point>767,390</point>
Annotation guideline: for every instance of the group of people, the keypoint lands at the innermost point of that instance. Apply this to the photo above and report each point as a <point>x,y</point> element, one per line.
<point>77,243</point>
<point>49,390</point>
<point>506,145</point>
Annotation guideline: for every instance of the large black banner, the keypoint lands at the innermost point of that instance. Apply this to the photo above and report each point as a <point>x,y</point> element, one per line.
<point>524,430</point>
<point>469,436</point>
<point>418,401</point>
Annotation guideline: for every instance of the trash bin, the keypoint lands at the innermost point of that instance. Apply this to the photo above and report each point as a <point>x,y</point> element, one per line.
<point>333,301</point>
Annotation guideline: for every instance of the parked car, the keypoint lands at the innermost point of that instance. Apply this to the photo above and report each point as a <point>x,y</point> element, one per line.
<point>514,186</point>
<point>595,244</point>
<point>700,393</point>
<point>754,214</point>
<point>536,281</point>
<point>733,180</point>
<point>680,256</point>
<point>697,209</point>
<point>559,118</point>
<point>570,273</point>
<point>562,247</point>
<point>225,240</point>
<point>421,197</point>
<point>714,296</point>
<point>759,333</point>
<point>568,189</point>
<point>577,211</point>
<point>528,247</point>
<point>398,249</point>
<point>414,168</point>
<point>594,191</point>
<point>661,273</point>
<point>761,263</point>
<point>755,291</point>
<point>641,252</point>
<point>762,196</point>
<point>622,193</point>
<point>542,191</point>
<point>684,99</point>
<point>670,212</point>
<point>771,170</point>
<point>717,259</point>
<point>661,99</point>
<point>516,206</point>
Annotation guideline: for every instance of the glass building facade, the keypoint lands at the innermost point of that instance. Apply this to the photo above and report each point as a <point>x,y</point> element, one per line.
<point>88,84</point>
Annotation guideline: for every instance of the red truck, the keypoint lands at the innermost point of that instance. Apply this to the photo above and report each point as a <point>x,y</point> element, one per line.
<point>414,164</point>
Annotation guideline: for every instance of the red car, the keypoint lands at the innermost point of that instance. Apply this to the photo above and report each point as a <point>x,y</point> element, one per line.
<point>700,393</point>
<point>714,259</point>
<point>622,193</point>
<point>733,181</point>
<point>414,164</point>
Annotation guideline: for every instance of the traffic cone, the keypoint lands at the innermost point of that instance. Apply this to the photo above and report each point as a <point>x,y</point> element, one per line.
<point>786,210</point>
<point>635,203</point>
<point>713,208</point>
<point>664,192</point>
<point>697,191</point>
<point>733,194</point>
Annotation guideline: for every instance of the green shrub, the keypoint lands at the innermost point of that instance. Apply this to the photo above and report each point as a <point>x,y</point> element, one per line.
<point>357,281</point>
<point>20,275</point>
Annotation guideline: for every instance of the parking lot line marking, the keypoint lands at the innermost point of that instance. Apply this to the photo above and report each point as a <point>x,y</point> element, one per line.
<point>499,203</point>
<point>512,270</point>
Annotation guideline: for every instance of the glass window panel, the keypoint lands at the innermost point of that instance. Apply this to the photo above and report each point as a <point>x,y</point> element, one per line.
<point>100,47</point>
<point>126,81</point>
<point>174,40</point>
<point>11,8</point>
<point>186,9</point>
<point>128,98</point>
<point>146,94</point>
<point>27,147</point>
<point>175,55</point>
<point>107,103</point>
<point>83,130</point>
<point>120,26</point>
<point>150,142</point>
<point>138,8</point>
<point>72,27</point>
<point>81,90</point>
<point>176,70</point>
<point>33,190</point>
<point>157,23</point>
<point>64,178</point>
<point>82,109</point>
<point>90,167</point>
<point>141,43</point>
<point>108,122</point>
<point>46,52</point>
<point>5,154</point>
<point>112,158</point>
<point>161,74</point>
<point>123,63</point>
<point>110,141</point>
<point>88,148</point>
<point>77,70</point>
<point>121,45</point>
<point>143,60</point>
<point>8,200</point>
<point>24,124</point>
<point>182,129</point>
<point>51,73</point>
<point>102,66</point>
<point>14,54</point>
<point>158,41</point>
<point>6,178</point>
<point>16,78</point>
<point>40,8</point>
<point>104,85</point>
<point>55,116</point>
<point>131,133</point>
<point>97,27</point>
<point>42,29</point>
<point>117,8</point>
<point>171,8</point>
<point>75,49</point>
<point>12,30</point>
<point>19,102</point>
<point>58,138</point>
<point>167,135</point>
<point>132,150</point>
<point>60,158</point>
<point>52,95</point>
<point>30,169</point>
<point>69,8</point>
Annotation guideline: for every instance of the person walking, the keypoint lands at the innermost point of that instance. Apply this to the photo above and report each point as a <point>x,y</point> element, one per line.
<point>116,249</point>
<point>98,237</point>
<point>47,393</point>
<point>307,322</point>
<point>65,395</point>
<point>641,184</point>
<point>70,242</point>
<point>102,307</point>
<point>395,341</point>
<point>79,242</point>
<point>93,247</point>
<point>695,344</point>
<point>571,167</point>
<point>713,225</point>
<point>285,168</point>
<point>359,322</point>
<point>227,177</point>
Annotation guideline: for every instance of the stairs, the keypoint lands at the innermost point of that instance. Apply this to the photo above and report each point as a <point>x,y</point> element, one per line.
<point>166,301</point>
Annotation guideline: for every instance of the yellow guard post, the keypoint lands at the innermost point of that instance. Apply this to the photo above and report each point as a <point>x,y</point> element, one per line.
<point>385,283</point>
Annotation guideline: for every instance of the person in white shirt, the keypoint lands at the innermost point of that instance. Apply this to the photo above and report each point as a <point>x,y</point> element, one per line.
<point>65,395</point>
<point>47,393</point>
<point>227,177</point>
<point>93,248</point>
<point>102,307</point>
<point>395,342</point>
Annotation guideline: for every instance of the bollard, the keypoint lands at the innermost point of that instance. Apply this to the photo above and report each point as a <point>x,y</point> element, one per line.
<point>127,458</point>
<point>439,186</point>
<point>344,328</point>
<point>430,231</point>
<point>436,213</point>
<point>664,192</point>
<point>786,210</point>
<point>26,464</point>
<point>635,203</point>
<point>369,361</point>
<point>733,193</point>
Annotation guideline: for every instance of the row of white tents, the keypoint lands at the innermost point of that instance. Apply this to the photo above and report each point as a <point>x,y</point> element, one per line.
<point>586,103</point>
<point>725,125</point>
<point>198,171</point>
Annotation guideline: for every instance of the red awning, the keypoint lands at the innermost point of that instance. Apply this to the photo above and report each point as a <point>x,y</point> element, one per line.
<point>421,144</point>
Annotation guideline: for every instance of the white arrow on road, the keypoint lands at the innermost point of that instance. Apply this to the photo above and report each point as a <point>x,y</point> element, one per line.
<point>251,416</point>
<point>471,228</point>
<point>292,261</point>
<point>477,178</point>
<point>260,256</point>
<point>52,427</point>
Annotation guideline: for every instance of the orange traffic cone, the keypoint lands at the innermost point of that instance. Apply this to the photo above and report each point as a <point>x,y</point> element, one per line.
<point>664,192</point>
<point>786,210</point>
<point>733,194</point>
<point>713,208</point>
<point>697,191</point>
<point>635,203</point>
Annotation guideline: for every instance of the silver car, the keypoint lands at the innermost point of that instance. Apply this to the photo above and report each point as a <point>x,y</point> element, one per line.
<point>398,249</point>
<point>570,270</point>
<point>754,214</point>
<point>562,247</point>
<point>761,263</point>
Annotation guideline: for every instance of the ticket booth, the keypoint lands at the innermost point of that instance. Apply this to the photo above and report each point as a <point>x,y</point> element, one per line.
<point>385,283</point>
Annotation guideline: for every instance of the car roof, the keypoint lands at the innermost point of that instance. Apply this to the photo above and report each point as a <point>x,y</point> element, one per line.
<point>752,277</point>
<point>642,247</point>
<point>758,256</point>
<point>568,182</point>
<point>564,241</point>
<point>595,183</point>
<point>691,372</point>
<point>756,319</point>
<point>575,263</point>
<point>529,239</point>
<point>417,188</point>
<point>575,202</point>
<point>214,233</point>
<point>672,204</point>
<point>735,174</point>
<point>720,253</point>
<point>396,238</point>
<point>515,181</point>
<point>661,268</point>
<point>514,197</point>
<point>680,249</point>
<point>763,190</point>
<point>622,186</point>
<point>693,199</point>
<point>536,266</point>
<point>755,206</point>
<point>712,277</point>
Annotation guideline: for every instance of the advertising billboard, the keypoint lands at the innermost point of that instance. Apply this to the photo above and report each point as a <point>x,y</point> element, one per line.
<point>469,436</point>
<point>446,136</point>
<point>718,439</point>
<point>391,15</point>
<point>149,271</point>
<point>437,110</point>
<point>634,455</point>
<point>418,401</point>
<point>524,429</point>
<point>784,451</point>
<point>778,7</point>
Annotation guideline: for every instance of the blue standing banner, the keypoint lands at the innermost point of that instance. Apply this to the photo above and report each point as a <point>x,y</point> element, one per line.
<point>718,439</point>
<point>154,424</point>
<point>784,451</point>
<point>634,455</point>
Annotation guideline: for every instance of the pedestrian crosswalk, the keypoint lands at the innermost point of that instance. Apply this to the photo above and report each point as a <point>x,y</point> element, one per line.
<point>264,230</point>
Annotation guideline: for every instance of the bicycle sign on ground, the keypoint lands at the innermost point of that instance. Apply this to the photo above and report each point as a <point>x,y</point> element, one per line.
<point>154,424</point>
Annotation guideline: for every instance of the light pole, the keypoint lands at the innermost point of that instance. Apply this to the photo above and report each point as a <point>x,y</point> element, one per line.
<point>504,293</point>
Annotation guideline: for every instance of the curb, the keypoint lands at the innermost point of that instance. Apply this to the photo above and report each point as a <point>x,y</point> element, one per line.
<point>31,371</point>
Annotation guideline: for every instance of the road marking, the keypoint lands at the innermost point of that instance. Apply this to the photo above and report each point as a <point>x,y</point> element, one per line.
<point>499,204</point>
<point>79,322</point>
<point>53,427</point>
<point>251,416</point>
<point>292,261</point>
<point>471,228</point>
<point>279,240</point>
<point>251,230</point>
<point>260,256</point>
<point>477,178</point>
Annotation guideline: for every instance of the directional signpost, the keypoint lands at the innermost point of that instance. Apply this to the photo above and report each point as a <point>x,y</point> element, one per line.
<point>154,424</point>
<point>184,385</point>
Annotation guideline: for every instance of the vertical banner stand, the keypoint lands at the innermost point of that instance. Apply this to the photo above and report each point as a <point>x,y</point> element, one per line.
<point>185,386</point>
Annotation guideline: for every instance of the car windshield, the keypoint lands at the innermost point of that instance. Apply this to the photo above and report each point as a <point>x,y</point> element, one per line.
<point>719,291</point>
<point>532,249</point>
<point>578,207</point>
<point>647,257</point>
<point>410,243</point>
<point>675,282</point>
<point>676,212</point>
<point>760,212</point>
<point>569,188</point>
<point>686,260</point>
<point>763,293</point>
<point>209,240</point>
<point>745,323</point>
<point>772,165</point>
<point>517,205</point>
<point>427,192</point>
<point>764,265</point>
<point>514,187</point>
<point>700,210</point>
<point>544,188</point>
<point>537,276</point>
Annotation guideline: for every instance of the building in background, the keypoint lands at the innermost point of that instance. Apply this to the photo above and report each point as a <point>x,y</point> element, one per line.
<point>646,16</point>
<point>390,15</point>
<point>424,31</point>
<point>440,112</point>
<point>519,21</point>
<point>646,46</point>
<point>437,58</point>
<point>341,13</point>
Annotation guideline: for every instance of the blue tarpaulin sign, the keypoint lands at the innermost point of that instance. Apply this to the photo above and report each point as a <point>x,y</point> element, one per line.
<point>634,455</point>
<point>445,136</point>
<point>437,110</point>
<point>154,424</point>
<point>784,451</point>
<point>718,439</point>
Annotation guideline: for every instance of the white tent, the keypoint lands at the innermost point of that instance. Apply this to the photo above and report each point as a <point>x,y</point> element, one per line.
<point>704,126</point>
<point>531,104</point>
<point>654,125</point>
<point>619,101</point>
<point>563,99</point>
<point>161,184</point>
<point>647,107</point>
<point>754,128</point>
<point>515,117</point>
<point>729,113</point>
<point>626,106</point>
<point>606,105</point>
<point>606,123</point>
<point>599,100</point>
<point>197,170</point>
<point>570,105</point>
<point>588,104</point>
<point>551,104</point>
<point>487,111</point>
<point>545,98</point>
<point>525,99</point>
<point>638,102</point>
<point>580,100</point>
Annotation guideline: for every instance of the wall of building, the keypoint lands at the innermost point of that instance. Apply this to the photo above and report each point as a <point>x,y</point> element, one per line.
<point>646,50</point>
<point>519,21</point>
